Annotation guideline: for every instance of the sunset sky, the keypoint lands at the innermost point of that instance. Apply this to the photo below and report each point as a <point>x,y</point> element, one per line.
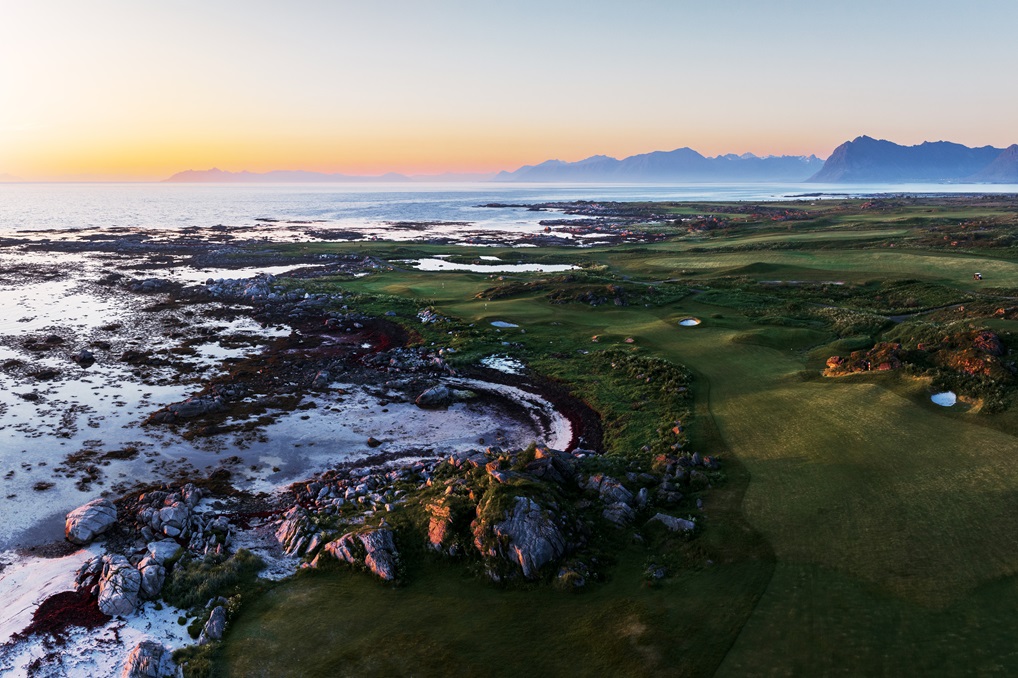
<point>118,89</point>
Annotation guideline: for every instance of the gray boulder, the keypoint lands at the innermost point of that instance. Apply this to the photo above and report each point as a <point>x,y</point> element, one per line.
<point>85,523</point>
<point>527,537</point>
<point>381,553</point>
<point>84,357</point>
<point>674,524</point>
<point>612,492</point>
<point>435,397</point>
<point>196,406</point>
<point>175,519</point>
<point>119,585</point>
<point>149,659</point>
<point>619,513</point>
<point>161,551</point>
<point>214,627</point>
<point>153,575</point>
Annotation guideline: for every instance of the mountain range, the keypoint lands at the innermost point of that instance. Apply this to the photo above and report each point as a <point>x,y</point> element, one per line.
<point>680,165</point>
<point>216,175</point>
<point>863,160</point>
<point>868,160</point>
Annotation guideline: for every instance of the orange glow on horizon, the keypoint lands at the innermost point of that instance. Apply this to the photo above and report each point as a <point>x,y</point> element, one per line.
<point>141,159</point>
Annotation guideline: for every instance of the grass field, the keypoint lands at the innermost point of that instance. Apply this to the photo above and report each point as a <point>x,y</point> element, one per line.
<point>863,530</point>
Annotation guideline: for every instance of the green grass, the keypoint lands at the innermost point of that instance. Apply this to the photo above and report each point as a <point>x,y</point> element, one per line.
<point>448,623</point>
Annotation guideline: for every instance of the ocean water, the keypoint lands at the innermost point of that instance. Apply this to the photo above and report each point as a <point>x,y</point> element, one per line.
<point>363,207</point>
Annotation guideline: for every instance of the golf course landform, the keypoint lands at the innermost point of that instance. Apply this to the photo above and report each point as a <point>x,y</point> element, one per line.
<point>860,528</point>
<point>764,476</point>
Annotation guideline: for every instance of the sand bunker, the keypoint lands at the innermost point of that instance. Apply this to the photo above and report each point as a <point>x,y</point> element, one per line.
<point>945,399</point>
<point>690,322</point>
<point>502,323</point>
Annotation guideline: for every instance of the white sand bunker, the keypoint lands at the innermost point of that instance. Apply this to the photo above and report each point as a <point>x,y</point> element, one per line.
<point>690,322</point>
<point>945,399</point>
<point>502,323</point>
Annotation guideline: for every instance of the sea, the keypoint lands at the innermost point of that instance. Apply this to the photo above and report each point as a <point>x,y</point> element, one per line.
<point>373,209</point>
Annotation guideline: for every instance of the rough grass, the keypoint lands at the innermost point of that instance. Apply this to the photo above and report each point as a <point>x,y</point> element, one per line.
<point>446,623</point>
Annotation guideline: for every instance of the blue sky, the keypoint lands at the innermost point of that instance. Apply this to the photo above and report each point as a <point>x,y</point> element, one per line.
<point>117,89</point>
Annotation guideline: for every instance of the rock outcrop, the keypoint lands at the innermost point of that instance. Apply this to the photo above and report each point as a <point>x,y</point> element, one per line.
<point>116,582</point>
<point>214,627</point>
<point>85,523</point>
<point>674,524</point>
<point>149,659</point>
<point>439,522</point>
<point>527,537</point>
<point>374,549</point>
<point>191,408</point>
<point>296,534</point>
<point>170,514</point>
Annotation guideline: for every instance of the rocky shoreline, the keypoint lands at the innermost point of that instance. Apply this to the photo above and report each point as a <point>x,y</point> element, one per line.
<point>165,562</point>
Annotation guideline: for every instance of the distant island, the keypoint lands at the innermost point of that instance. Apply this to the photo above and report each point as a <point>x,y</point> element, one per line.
<point>216,175</point>
<point>863,160</point>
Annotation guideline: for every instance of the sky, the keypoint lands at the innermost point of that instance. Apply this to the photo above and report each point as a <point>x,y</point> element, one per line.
<point>139,89</point>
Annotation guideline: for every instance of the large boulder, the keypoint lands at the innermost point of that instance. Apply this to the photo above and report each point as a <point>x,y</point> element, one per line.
<point>619,513</point>
<point>614,492</point>
<point>86,522</point>
<point>435,397</point>
<point>297,534</point>
<point>149,659</point>
<point>674,524</point>
<point>153,575</point>
<point>374,548</point>
<point>214,627</point>
<point>162,551</point>
<point>175,519</point>
<point>117,582</point>
<point>527,537</point>
<point>380,555</point>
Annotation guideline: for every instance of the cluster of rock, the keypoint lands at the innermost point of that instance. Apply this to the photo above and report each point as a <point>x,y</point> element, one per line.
<point>260,288</point>
<point>514,510</point>
<point>409,360</point>
<point>882,357</point>
<point>152,285</point>
<point>166,525</point>
<point>367,494</point>
<point>971,352</point>
<point>428,316</point>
